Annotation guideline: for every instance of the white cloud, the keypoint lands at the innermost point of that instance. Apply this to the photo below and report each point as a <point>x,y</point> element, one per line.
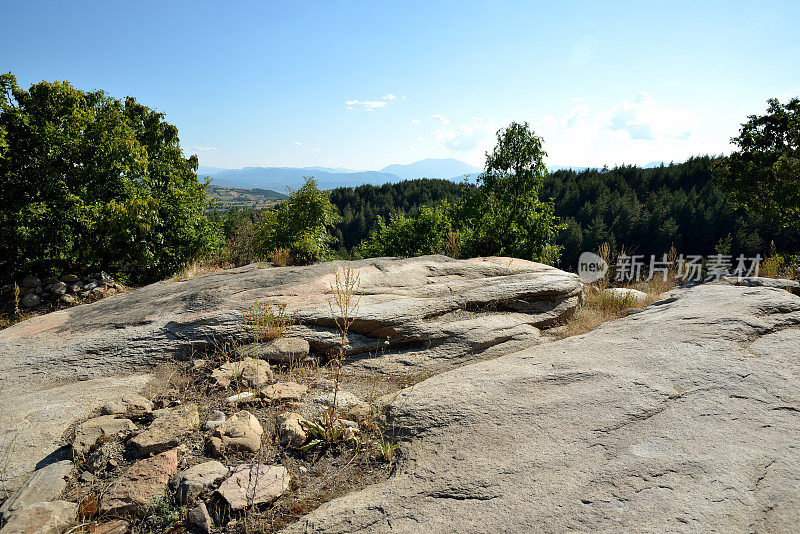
<point>364,105</point>
<point>414,121</point>
<point>643,119</point>
<point>309,147</point>
<point>639,130</point>
<point>473,136</point>
<point>440,119</point>
<point>202,148</point>
<point>370,105</point>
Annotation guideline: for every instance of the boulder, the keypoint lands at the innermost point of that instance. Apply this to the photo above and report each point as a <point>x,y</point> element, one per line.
<point>30,300</point>
<point>30,281</point>
<point>240,432</point>
<point>681,418</point>
<point>344,400</point>
<point>143,482</point>
<point>251,372</point>
<point>215,419</point>
<point>283,391</point>
<point>251,484</point>
<point>282,350</point>
<point>45,484</point>
<point>70,278</point>
<point>200,519</point>
<point>58,289</point>
<point>290,429</point>
<point>419,314</point>
<point>132,406</point>
<point>89,432</point>
<point>193,481</point>
<point>117,526</point>
<point>42,518</point>
<point>167,430</point>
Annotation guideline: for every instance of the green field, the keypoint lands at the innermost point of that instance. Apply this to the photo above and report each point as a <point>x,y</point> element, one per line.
<point>228,197</point>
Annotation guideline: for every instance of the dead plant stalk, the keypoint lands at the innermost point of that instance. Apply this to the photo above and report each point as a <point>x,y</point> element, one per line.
<point>343,305</point>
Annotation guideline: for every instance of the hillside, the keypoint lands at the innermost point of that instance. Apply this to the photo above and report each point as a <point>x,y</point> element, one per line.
<point>285,178</point>
<point>228,197</point>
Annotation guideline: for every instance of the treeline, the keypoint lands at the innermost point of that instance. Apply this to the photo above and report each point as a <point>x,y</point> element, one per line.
<point>649,210</point>
<point>646,211</point>
<point>360,207</point>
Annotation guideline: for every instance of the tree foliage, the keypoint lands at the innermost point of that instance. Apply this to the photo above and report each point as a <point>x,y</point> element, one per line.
<point>763,176</point>
<point>301,224</point>
<point>649,210</point>
<point>502,216</point>
<point>364,207</point>
<point>403,236</point>
<point>87,180</point>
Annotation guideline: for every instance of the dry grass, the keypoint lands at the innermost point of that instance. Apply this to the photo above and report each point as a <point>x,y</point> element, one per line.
<point>776,265</point>
<point>280,257</point>
<point>10,319</point>
<point>266,323</point>
<point>200,266</point>
<point>452,244</point>
<point>600,307</point>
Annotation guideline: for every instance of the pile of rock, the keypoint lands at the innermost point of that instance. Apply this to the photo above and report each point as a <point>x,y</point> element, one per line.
<point>68,290</point>
<point>140,452</point>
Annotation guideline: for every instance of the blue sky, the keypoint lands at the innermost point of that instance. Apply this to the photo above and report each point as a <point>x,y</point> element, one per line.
<point>365,84</point>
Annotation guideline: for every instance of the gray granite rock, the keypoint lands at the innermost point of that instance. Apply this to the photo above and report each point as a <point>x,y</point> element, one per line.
<point>681,418</point>
<point>419,314</point>
<point>42,518</point>
<point>43,485</point>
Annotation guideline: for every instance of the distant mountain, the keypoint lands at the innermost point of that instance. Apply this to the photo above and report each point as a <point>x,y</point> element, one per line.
<point>432,168</point>
<point>282,178</point>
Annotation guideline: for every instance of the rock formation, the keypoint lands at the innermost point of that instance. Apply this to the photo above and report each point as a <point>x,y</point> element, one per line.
<point>685,417</point>
<point>421,314</point>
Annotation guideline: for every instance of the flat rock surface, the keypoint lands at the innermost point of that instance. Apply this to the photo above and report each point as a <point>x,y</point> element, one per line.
<point>430,313</point>
<point>251,484</point>
<point>167,430</point>
<point>42,518</point>
<point>43,485</point>
<point>682,418</point>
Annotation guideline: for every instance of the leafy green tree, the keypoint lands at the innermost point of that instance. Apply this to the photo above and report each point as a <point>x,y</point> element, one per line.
<point>404,236</point>
<point>89,181</point>
<point>301,224</point>
<point>763,176</point>
<point>505,216</point>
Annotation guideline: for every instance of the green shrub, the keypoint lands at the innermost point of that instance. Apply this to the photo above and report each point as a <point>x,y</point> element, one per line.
<point>87,180</point>
<point>411,236</point>
<point>300,224</point>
